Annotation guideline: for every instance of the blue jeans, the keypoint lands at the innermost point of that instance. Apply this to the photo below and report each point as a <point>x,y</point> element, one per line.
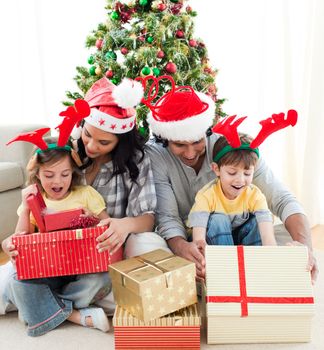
<point>219,231</point>
<point>45,303</point>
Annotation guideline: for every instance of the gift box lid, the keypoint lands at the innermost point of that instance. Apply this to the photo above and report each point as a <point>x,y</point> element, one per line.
<point>188,316</point>
<point>50,221</point>
<point>37,206</point>
<point>59,236</point>
<point>154,270</point>
<point>258,281</point>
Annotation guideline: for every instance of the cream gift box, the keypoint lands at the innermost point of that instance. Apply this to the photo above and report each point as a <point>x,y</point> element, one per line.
<point>258,294</point>
<point>178,330</point>
<point>154,284</point>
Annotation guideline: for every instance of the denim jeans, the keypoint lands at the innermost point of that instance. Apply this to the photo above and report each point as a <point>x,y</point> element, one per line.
<point>219,231</point>
<point>45,303</point>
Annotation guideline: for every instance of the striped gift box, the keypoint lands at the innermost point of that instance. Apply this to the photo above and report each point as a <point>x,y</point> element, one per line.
<point>258,294</point>
<point>179,330</point>
<point>60,253</point>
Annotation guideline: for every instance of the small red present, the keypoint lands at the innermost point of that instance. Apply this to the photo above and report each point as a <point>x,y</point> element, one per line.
<point>60,253</point>
<point>50,221</point>
<point>178,330</point>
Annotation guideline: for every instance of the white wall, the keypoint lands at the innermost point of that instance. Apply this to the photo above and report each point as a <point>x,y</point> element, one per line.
<point>269,54</point>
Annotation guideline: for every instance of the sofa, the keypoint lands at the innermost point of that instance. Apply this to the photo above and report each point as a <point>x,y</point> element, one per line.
<point>13,160</point>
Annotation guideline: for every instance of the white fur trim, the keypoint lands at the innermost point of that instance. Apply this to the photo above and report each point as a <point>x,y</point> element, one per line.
<point>128,93</point>
<point>76,132</point>
<point>109,123</point>
<point>190,129</point>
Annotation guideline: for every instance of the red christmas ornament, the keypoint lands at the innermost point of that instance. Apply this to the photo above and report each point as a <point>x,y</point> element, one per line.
<point>141,38</point>
<point>171,68</point>
<point>161,7</point>
<point>109,74</point>
<point>192,43</point>
<point>179,34</point>
<point>99,43</point>
<point>124,50</point>
<point>160,54</point>
<point>189,9</point>
<point>207,70</point>
<point>176,8</point>
<point>125,17</point>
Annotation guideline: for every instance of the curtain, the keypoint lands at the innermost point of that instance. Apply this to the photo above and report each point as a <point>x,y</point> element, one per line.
<point>269,55</point>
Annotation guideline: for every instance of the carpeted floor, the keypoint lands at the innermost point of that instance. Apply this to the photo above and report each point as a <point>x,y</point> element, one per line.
<point>69,337</point>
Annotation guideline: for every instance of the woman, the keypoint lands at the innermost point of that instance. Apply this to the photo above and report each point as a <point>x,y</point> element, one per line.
<point>115,164</point>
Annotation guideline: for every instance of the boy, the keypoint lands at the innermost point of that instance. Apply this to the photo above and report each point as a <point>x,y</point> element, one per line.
<point>230,210</point>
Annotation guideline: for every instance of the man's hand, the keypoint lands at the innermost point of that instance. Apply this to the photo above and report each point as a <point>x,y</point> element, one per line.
<point>299,229</point>
<point>190,251</point>
<point>311,264</point>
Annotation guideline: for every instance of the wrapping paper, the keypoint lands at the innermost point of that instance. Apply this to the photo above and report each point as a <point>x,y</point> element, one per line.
<point>252,289</point>
<point>59,253</point>
<point>154,284</point>
<point>179,330</point>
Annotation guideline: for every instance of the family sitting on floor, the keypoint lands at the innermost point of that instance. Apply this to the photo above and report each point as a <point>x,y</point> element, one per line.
<point>189,186</point>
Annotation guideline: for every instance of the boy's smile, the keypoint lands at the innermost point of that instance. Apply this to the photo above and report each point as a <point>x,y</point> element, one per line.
<point>233,178</point>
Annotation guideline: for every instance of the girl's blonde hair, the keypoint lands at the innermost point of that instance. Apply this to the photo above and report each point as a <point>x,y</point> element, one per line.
<point>51,156</point>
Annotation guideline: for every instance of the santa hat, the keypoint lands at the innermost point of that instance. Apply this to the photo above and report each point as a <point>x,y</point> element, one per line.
<point>112,107</point>
<point>182,114</point>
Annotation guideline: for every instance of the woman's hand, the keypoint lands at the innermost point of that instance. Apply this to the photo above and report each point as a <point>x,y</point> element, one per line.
<point>115,235</point>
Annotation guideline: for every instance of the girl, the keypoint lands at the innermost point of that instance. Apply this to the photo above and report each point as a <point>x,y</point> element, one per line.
<point>57,175</point>
<point>114,163</point>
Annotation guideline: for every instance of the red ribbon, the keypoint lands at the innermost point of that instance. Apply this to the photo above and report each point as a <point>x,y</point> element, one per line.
<point>244,299</point>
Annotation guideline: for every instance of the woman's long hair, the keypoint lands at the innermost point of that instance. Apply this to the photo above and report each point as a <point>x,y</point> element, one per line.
<point>124,156</point>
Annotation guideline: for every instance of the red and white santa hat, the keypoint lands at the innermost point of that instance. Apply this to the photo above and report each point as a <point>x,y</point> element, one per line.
<point>112,107</point>
<point>181,114</point>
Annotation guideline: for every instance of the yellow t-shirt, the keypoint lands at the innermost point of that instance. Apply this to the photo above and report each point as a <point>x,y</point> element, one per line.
<point>211,199</point>
<point>81,197</point>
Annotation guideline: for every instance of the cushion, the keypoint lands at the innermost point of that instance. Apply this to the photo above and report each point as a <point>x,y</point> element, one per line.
<point>11,176</point>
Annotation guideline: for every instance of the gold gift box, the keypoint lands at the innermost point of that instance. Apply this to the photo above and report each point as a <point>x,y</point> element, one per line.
<point>154,284</point>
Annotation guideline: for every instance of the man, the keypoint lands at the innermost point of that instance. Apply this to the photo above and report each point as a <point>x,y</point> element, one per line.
<point>181,155</point>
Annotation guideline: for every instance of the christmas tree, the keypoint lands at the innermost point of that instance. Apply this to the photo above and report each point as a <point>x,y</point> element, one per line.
<point>145,37</point>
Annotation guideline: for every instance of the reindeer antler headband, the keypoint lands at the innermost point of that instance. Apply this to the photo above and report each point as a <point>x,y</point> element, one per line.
<point>228,128</point>
<point>72,116</point>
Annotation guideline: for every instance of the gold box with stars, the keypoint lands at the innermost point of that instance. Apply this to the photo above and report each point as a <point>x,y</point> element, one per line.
<point>154,284</point>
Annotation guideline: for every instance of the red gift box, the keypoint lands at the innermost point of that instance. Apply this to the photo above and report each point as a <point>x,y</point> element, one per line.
<point>50,221</point>
<point>179,330</point>
<point>60,253</point>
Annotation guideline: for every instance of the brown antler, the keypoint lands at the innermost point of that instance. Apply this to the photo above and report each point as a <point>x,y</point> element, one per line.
<point>229,130</point>
<point>272,124</point>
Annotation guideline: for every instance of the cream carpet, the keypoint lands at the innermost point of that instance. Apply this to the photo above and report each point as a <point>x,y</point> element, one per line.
<point>69,337</point>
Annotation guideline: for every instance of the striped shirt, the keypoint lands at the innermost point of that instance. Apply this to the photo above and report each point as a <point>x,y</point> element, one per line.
<point>124,197</point>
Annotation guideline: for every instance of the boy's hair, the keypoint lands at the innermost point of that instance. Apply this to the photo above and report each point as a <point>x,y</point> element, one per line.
<point>235,157</point>
<point>51,156</point>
